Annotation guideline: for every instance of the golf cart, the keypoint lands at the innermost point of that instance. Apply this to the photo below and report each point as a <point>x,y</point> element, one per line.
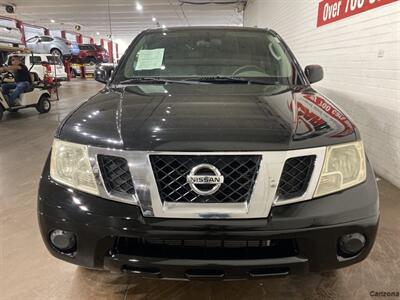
<point>36,95</point>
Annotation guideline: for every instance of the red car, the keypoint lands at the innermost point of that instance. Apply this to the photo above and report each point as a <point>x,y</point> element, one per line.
<point>90,53</point>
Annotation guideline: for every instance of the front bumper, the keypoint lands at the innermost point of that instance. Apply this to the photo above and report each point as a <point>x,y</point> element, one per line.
<point>315,226</point>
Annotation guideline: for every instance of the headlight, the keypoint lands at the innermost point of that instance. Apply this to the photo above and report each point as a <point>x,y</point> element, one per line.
<point>70,165</point>
<point>344,167</point>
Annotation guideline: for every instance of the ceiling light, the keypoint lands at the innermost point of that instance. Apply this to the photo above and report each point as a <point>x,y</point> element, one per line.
<point>153,19</point>
<point>98,33</point>
<point>139,6</point>
<point>52,21</point>
<point>163,26</point>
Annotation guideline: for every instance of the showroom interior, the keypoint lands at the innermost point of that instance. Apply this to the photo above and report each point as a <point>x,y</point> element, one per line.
<point>75,47</point>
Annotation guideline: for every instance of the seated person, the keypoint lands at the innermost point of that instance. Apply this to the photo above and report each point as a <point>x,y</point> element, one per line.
<point>22,80</point>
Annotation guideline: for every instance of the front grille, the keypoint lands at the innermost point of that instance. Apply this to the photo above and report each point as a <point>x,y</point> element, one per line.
<point>205,248</point>
<point>295,177</point>
<point>116,175</point>
<point>239,171</point>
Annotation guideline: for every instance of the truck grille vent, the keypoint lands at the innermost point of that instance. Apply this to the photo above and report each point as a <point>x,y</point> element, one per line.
<point>116,175</point>
<point>239,171</point>
<point>205,249</point>
<point>295,177</point>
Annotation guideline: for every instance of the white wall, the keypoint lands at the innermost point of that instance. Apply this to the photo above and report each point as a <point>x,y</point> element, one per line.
<point>70,37</point>
<point>32,31</point>
<point>361,60</point>
<point>55,33</point>
<point>123,44</point>
<point>86,40</point>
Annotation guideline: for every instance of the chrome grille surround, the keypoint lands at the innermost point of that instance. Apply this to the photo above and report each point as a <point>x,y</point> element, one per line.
<point>262,198</point>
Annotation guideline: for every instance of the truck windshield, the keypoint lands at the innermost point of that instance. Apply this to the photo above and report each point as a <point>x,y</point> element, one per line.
<point>208,53</point>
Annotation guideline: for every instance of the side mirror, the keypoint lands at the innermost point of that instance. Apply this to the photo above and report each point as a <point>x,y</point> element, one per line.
<point>314,73</point>
<point>103,74</point>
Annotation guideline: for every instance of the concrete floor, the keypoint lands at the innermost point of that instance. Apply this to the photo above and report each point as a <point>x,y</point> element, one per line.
<point>28,271</point>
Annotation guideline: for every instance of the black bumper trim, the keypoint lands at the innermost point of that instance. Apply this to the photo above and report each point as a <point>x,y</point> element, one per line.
<point>186,269</point>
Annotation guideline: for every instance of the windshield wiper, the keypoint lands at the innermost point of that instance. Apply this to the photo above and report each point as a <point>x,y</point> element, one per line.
<point>234,79</point>
<point>158,80</point>
<point>200,80</point>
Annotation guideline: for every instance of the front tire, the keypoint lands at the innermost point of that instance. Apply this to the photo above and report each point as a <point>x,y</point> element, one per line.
<point>44,105</point>
<point>1,112</point>
<point>56,52</point>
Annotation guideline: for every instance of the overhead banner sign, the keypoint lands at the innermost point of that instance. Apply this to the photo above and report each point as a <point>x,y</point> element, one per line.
<point>330,11</point>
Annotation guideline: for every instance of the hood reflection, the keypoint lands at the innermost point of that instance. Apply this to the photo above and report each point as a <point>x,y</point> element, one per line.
<point>217,117</point>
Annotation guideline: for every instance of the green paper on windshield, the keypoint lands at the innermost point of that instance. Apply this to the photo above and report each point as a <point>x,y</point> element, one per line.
<point>150,59</point>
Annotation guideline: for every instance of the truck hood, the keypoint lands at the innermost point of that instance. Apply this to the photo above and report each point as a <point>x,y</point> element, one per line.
<point>207,117</point>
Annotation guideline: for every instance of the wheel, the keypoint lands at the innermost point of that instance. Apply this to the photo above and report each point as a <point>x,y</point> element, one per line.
<point>44,105</point>
<point>1,112</point>
<point>56,52</point>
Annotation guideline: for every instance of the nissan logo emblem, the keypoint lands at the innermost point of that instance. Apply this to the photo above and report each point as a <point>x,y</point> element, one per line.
<point>205,174</point>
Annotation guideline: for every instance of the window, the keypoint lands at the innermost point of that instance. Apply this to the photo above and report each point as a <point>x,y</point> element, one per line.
<point>35,60</point>
<point>100,48</point>
<point>46,39</point>
<point>32,40</point>
<point>86,47</point>
<point>208,52</point>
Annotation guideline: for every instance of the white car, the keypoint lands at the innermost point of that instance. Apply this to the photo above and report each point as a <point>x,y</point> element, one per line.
<point>43,65</point>
<point>10,35</point>
<point>76,69</point>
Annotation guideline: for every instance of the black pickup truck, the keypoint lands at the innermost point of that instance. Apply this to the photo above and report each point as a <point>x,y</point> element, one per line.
<point>208,155</point>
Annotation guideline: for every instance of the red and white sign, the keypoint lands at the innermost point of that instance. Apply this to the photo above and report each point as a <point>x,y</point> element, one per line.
<point>333,10</point>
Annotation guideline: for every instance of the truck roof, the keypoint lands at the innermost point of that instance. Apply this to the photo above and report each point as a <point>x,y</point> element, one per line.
<point>227,28</point>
